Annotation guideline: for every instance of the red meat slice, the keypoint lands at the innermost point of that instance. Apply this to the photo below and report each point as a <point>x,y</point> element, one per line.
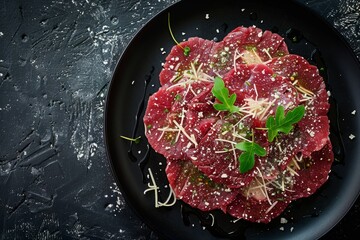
<point>299,69</point>
<point>259,46</point>
<point>176,62</point>
<point>259,82</point>
<point>314,126</point>
<point>271,44</point>
<point>315,133</point>
<point>285,148</point>
<point>220,167</point>
<point>313,174</point>
<point>255,211</point>
<point>173,121</point>
<point>160,113</point>
<point>196,189</point>
<point>219,58</point>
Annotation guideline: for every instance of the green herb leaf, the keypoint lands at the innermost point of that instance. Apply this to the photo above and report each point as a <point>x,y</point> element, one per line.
<point>247,158</point>
<point>186,51</point>
<point>222,94</point>
<point>283,123</point>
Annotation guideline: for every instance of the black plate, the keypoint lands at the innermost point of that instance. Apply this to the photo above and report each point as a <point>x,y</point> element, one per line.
<point>136,77</point>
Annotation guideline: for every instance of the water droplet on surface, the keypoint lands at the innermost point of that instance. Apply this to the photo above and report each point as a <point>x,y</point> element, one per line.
<point>24,38</point>
<point>114,20</point>
<point>109,207</point>
<point>22,62</point>
<point>43,22</point>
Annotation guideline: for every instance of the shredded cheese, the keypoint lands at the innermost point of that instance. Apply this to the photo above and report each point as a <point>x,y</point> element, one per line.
<point>181,128</point>
<point>271,207</point>
<point>153,187</point>
<point>265,188</point>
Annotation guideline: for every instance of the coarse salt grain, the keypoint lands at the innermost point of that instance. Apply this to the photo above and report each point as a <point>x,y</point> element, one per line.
<point>351,136</point>
<point>283,220</point>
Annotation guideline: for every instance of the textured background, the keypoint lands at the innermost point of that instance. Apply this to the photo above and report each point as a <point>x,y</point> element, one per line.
<point>56,61</point>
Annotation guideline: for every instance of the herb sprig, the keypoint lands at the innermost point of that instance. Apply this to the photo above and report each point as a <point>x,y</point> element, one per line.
<point>185,49</point>
<point>283,123</point>
<point>247,158</point>
<point>222,94</point>
<point>135,140</point>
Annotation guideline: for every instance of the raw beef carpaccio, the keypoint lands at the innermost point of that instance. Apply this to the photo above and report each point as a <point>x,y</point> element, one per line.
<point>200,142</point>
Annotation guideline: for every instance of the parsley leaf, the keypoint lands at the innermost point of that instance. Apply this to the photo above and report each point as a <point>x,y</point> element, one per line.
<point>283,123</point>
<point>247,158</point>
<point>222,94</point>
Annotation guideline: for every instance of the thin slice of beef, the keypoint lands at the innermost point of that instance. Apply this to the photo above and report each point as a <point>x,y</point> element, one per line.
<point>160,114</point>
<point>313,174</point>
<point>246,45</point>
<point>196,189</point>
<point>271,45</point>
<point>216,157</point>
<point>284,148</point>
<point>242,45</point>
<point>258,83</point>
<point>254,210</point>
<point>173,120</point>
<point>176,62</point>
<point>258,204</point>
<point>298,69</point>
<point>312,93</point>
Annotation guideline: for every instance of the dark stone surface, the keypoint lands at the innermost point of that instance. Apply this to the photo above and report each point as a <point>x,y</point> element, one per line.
<point>56,61</point>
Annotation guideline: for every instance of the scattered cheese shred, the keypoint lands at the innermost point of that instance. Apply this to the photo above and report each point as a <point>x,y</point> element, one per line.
<point>271,207</point>
<point>182,129</point>
<point>153,187</point>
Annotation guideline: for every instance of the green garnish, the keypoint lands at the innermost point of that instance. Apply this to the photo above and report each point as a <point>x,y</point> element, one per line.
<point>247,158</point>
<point>250,48</point>
<point>135,140</point>
<point>178,97</point>
<point>185,49</point>
<point>283,123</point>
<point>222,94</point>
